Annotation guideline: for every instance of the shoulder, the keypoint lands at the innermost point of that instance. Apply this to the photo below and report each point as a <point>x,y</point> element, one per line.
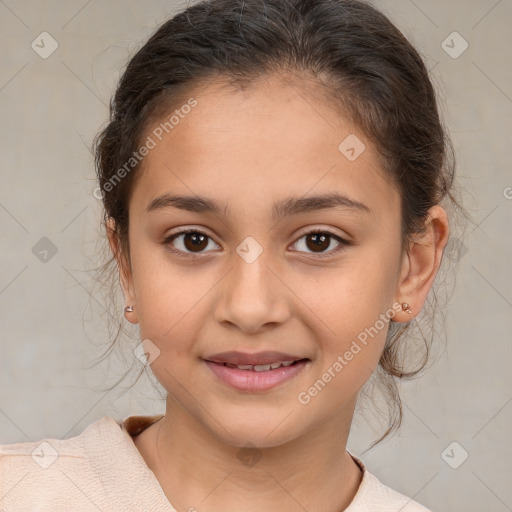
<point>373,495</point>
<point>55,453</point>
<point>94,469</point>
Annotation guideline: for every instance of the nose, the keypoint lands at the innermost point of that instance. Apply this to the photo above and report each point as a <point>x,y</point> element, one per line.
<point>252,297</point>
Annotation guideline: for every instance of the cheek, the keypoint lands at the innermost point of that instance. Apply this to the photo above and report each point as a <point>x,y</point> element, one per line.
<point>165,292</point>
<point>349,312</point>
<point>348,298</point>
<point>354,353</point>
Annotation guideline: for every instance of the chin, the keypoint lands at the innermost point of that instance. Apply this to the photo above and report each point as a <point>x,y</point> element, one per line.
<point>256,430</point>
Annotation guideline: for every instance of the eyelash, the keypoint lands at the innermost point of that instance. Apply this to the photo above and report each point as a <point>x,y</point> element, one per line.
<point>168,242</point>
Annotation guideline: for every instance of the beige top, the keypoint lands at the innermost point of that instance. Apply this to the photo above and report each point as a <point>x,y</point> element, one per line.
<point>102,469</point>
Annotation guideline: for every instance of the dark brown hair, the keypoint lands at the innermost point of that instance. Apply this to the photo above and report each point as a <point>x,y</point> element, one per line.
<point>368,70</point>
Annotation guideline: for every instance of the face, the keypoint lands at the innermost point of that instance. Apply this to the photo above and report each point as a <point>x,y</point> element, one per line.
<point>267,273</point>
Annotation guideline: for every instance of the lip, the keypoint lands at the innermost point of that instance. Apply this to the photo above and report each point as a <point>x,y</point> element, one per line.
<point>254,381</point>
<point>264,357</point>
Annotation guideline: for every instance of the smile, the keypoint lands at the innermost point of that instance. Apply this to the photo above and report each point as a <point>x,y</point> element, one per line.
<point>256,377</point>
<point>260,367</point>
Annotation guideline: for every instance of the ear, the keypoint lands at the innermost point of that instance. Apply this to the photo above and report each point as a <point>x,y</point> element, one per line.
<point>125,274</point>
<point>421,264</point>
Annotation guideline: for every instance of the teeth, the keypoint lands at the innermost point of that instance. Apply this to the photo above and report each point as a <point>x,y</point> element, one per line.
<point>260,367</point>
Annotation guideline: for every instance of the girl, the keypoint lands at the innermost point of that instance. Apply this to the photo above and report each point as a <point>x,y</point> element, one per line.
<point>271,176</point>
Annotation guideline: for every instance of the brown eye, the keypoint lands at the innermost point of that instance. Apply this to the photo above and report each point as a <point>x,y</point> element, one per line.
<point>320,241</point>
<point>188,242</point>
<point>195,241</point>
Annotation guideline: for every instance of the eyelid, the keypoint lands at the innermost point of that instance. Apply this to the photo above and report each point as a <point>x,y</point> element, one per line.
<point>188,229</point>
<point>321,229</point>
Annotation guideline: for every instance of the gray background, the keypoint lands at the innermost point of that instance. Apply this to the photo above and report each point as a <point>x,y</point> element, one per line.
<point>54,321</point>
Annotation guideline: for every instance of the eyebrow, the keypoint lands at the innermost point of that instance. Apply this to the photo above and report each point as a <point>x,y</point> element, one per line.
<point>284,208</point>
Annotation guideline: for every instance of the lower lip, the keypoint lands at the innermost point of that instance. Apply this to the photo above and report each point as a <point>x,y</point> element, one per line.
<point>250,380</point>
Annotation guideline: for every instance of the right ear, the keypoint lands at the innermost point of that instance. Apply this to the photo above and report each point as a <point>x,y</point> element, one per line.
<point>125,274</point>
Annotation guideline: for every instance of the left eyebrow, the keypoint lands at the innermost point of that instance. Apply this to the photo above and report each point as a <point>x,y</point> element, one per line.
<point>294,205</point>
<point>284,208</point>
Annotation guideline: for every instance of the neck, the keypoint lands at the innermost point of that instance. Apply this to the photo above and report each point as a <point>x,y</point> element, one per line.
<point>198,471</point>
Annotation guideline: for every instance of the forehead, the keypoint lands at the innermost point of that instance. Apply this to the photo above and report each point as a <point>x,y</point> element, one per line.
<point>249,147</point>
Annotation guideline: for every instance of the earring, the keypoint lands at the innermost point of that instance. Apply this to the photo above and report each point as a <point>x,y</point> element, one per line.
<point>128,309</point>
<point>405,307</point>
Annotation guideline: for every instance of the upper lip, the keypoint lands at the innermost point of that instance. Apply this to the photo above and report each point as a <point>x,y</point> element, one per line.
<point>266,357</point>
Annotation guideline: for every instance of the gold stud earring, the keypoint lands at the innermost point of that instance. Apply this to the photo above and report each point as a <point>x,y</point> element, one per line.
<point>405,307</point>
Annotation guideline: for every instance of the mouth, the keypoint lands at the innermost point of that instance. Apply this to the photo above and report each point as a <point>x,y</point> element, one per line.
<point>255,372</point>
<point>261,358</point>
<point>263,367</point>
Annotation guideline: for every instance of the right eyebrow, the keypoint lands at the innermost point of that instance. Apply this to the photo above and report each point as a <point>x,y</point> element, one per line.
<point>189,203</point>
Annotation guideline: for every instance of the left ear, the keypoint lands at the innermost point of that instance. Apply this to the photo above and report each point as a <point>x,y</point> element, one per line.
<point>421,263</point>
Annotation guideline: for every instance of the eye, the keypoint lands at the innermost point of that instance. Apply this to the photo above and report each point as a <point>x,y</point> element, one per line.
<point>319,241</point>
<point>190,241</point>
<point>193,241</point>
